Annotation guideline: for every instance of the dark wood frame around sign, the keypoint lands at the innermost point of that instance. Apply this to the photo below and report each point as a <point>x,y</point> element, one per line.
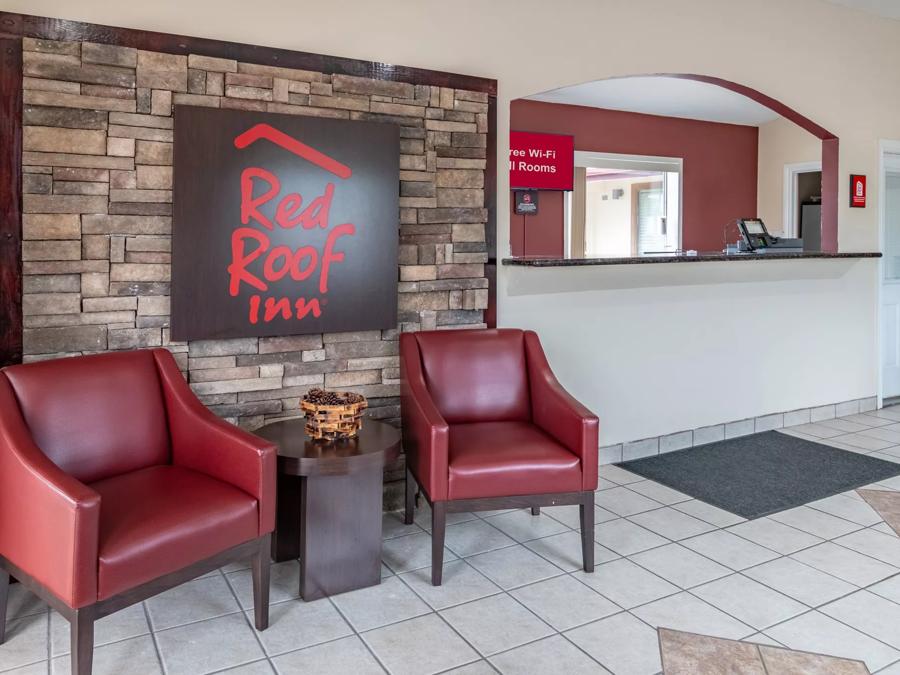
<point>15,27</point>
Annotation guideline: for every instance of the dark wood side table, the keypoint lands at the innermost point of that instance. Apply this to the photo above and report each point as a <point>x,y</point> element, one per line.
<point>329,504</point>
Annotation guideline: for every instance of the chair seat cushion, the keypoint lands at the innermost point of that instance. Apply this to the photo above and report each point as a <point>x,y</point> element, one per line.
<point>164,518</point>
<point>502,459</point>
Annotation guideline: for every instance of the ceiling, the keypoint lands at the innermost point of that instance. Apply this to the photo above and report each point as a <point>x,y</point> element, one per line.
<point>886,8</point>
<point>667,96</point>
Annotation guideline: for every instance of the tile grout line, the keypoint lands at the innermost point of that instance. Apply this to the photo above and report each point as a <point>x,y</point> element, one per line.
<point>447,623</point>
<point>780,555</point>
<point>359,635</point>
<point>247,619</point>
<point>503,591</point>
<point>226,670</point>
<point>531,583</point>
<point>681,589</point>
<point>162,665</point>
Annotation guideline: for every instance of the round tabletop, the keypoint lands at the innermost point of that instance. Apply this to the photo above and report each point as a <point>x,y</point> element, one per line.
<point>376,444</point>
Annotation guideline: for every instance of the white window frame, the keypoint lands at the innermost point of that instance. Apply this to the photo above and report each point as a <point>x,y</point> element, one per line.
<point>612,160</point>
<point>789,225</point>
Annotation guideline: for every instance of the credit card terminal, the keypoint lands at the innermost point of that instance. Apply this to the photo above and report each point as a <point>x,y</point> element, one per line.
<point>755,234</point>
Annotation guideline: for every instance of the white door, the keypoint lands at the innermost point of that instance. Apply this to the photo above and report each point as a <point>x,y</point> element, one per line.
<point>651,220</point>
<point>890,289</point>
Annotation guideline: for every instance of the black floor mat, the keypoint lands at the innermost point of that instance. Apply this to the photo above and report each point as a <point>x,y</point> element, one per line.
<point>764,473</point>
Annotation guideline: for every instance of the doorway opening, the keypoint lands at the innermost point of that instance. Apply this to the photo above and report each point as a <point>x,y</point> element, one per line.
<point>802,217</point>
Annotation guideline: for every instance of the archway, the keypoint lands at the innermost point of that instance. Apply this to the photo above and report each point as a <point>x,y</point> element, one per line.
<point>829,141</point>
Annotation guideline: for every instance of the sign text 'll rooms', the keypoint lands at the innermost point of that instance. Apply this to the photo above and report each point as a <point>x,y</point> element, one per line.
<point>518,162</point>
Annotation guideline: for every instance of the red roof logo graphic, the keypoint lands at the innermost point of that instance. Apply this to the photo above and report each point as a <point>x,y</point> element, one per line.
<point>282,140</point>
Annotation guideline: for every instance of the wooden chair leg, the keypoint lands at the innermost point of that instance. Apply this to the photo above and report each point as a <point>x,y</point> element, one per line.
<point>438,529</point>
<point>586,509</point>
<point>410,498</point>
<point>261,567</point>
<point>81,627</point>
<point>535,510</point>
<point>4,596</point>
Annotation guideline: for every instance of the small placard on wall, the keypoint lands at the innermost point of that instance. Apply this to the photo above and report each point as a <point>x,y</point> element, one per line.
<point>526,202</point>
<point>857,190</point>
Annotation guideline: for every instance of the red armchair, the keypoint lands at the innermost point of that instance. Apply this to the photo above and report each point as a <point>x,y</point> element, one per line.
<point>116,483</point>
<point>486,425</point>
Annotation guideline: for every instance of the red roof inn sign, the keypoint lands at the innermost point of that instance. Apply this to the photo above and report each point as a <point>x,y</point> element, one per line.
<point>282,224</point>
<point>541,161</point>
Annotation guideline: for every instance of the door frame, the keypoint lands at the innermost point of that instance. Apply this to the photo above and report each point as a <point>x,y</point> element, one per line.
<point>789,224</point>
<point>885,147</point>
<point>635,212</point>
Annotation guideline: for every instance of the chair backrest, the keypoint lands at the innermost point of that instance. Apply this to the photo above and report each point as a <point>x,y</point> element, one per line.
<point>476,375</point>
<point>95,416</point>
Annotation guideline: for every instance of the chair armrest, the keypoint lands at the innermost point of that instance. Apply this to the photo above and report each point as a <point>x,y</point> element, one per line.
<point>558,413</point>
<point>49,521</point>
<point>425,433</point>
<point>208,444</point>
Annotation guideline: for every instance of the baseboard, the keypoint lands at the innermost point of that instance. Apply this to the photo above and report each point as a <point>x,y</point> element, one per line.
<point>680,440</point>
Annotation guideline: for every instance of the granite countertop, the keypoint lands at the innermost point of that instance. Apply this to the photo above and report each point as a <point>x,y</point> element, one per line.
<point>679,258</point>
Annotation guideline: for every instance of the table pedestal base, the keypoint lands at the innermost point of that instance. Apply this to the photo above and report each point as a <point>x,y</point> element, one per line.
<point>339,538</point>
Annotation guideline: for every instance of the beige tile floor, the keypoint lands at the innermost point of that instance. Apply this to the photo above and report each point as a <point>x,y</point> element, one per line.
<point>822,578</point>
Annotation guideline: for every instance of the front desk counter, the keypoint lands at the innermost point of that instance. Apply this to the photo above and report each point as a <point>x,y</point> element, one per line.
<point>657,345</point>
<point>710,256</point>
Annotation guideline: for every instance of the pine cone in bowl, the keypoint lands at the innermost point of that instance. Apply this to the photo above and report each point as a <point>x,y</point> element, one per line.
<point>333,414</point>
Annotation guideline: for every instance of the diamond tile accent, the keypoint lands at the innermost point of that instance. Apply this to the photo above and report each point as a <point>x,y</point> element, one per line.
<point>687,654</point>
<point>886,504</point>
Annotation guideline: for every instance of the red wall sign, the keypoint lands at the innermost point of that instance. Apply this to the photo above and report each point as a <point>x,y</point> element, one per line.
<point>857,190</point>
<point>541,161</point>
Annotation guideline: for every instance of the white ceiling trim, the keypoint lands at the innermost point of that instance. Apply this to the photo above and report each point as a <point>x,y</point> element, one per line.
<point>667,96</point>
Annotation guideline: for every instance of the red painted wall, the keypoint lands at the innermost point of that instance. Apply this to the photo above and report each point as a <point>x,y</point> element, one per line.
<point>719,171</point>
<point>541,234</point>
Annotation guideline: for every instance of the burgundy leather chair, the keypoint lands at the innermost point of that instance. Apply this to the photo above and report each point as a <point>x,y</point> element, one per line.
<point>116,483</point>
<point>486,425</point>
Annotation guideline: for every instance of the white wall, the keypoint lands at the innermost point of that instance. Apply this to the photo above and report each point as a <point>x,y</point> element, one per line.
<point>781,142</point>
<point>833,64</point>
<point>659,348</point>
<point>607,227</point>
